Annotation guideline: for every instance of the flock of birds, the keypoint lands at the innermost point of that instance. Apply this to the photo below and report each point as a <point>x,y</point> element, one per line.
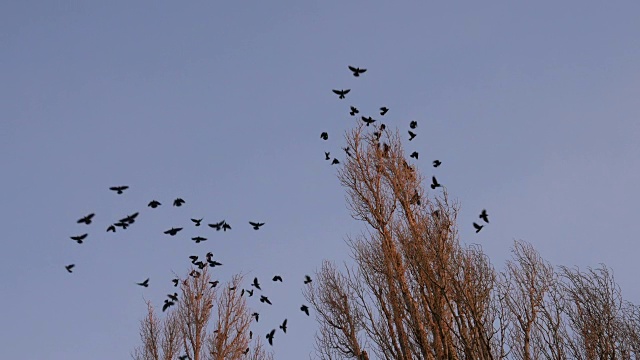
<point>172,299</point>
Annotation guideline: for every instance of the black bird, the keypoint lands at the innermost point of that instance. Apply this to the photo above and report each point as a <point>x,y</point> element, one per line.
<point>173,297</point>
<point>250,292</point>
<point>477,227</point>
<point>119,189</point>
<point>356,71</point>
<point>353,111</point>
<point>183,357</point>
<point>377,134</point>
<point>209,255</point>
<point>198,239</point>
<point>284,326</point>
<point>346,150</point>
<point>167,304</point>
<point>368,120</point>
<point>246,351</point>
<point>256,284</point>
<point>270,336</point>
<point>86,219</point>
<point>175,282</point>
<point>130,219</point>
<point>193,258</point>
<point>382,127</point>
<point>178,202</point>
<point>79,238</point>
<point>217,226</point>
<point>264,299</point>
<point>383,110</point>
<point>214,263</point>
<point>326,155</point>
<point>342,93</point>
<point>414,155</point>
<point>226,226</point>
<point>194,273</point>
<point>111,228</point>
<point>197,221</point>
<point>484,216</point>
<point>335,161</point>
<point>411,135</point>
<point>256,226</point>
<point>305,309</point>
<point>231,288</point>
<point>324,136</point>
<point>214,283</point>
<point>144,283</point>
<point>413,124</point>
<point>154,204</point>
<point>434,183</point>
<point>437,163</point>
<point>122,224</point>
<point>277,278</point>
<point>69,267</point>
<point>173,231</point>
<point>255,315</point>
<point>307,279</point>
<point>201,265</point>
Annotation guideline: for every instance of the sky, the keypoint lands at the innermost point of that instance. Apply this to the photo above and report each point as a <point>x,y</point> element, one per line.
<point>531,107</point>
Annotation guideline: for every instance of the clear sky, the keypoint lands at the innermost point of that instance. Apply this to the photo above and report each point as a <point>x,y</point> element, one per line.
<point>532,108</point>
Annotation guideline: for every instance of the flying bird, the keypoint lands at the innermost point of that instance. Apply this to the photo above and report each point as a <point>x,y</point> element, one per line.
<point>484,216</point>
<point>79,238</point>
<point>173,297</point>
<point>411,135</point>
<point>119,189</point>
<point>307,279</point>
<point>178,202</point>
<point>226,226</point>
<point>214,283</point>
<point>197,221</point>
<point>284,326</point>
<point>193,258</point>
<point>434,183</point>
<point>356,71</point>
<point>368,120</point>
<point>111,228</point>
<point>346,150</point>
<point>413,124</point>
<point>250,292</point>
<point>217,226</point>
<point>175,282</point>
<point>122,224</point>
<point>270,336</point>
<point>173,231</point>
<point>144,283</point>
<point>305,309</point>
<point>86,219</point>
<point>264,299</point>
<point>256,284</point>
<point>477,227</point>
<point>414,155</point>
<point>214,263</point>
<point>130,219</point>
<point>256,225</point>
<point>277,278</point>
<point>70,267</point>
<point>198,239</point>
<point>326,155</point>
<point>342,93</point>
<point>353,111</point>
<point>255,315</point>
<point>335,161</point>
<point>167,304</point>
<point>383,110</point>
<point>437,163</point>
<point>324,136</point>
<point>154,204</point>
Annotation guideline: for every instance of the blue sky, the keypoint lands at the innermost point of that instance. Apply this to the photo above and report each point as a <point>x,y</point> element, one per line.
<point>532,109</point>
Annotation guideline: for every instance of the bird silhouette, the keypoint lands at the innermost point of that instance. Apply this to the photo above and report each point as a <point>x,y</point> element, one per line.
<point>250,292</point>
<point>413,124</point>
<point>193,258</point>
<point>198,239</point>
<point>270,336</point>
<point>383,110</point>
<point>356,71</point>
<point>124,225</point>
<point>86,219</point>
<point>342,93</point>
<point>173,231</point>
<point>217,226</point>
<point>434,183</point>
<point>144,283</point>
<point>411,135</point>
<point>197,221</point>
<point>194,273</point>
<point>167,304</point>
<point>79,238</point>
<point>173,297</point>
<point>183,357</point>
<point>175,282</point>
<point>305,309</point>
<point>347,151</point>
<point>277,278</point>
<point>119,189</point>
<point>154,204</point>
<point>284,326</point>
<point>307,279</point>
<point>368,120</point>
<point>70,267</point>
<point>111,228</point>
<point>256,284</point>
<point>256,225</point>
<point>264,299</point>
<point>335,161</point>
<point>213,263</point>
<point>214,283</point>
<point>437,163</point>
<point>484,216</point>
<point>256,316</point>
<point>353,111</point>
<point>414,155</point>
<point>178,202</point>
<point>129,219</point>
<point>324,136</point>
<point>246,351</point>
<point>477,227</point>
<point>226,226</point>
<point>326,155</point>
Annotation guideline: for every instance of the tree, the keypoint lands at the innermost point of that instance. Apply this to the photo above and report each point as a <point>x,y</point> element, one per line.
<point>415,292</point>
<point>183,331</point>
